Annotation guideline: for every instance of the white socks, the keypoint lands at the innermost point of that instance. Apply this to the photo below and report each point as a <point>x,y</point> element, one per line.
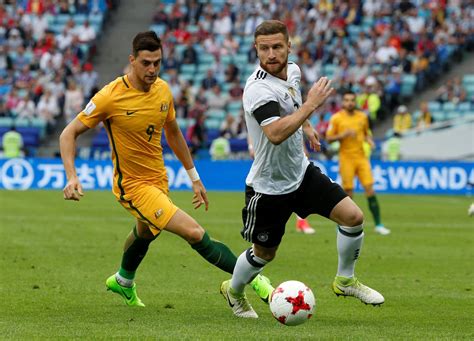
<point>349,243</point>
<point>247,267</point>
<point>125,282</point>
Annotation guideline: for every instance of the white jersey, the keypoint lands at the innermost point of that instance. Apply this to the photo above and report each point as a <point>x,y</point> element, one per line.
<point>277,169</point>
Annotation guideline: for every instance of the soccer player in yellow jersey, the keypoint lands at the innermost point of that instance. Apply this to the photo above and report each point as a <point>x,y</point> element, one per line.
<point>135,109</point>
<point>351,128</point>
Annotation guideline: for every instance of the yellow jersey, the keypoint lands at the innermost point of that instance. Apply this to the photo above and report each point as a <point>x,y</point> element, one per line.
<point>134,122</point>
<point>342,121</point>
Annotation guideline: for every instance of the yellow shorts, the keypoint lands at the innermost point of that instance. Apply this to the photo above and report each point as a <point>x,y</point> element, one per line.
<point>350,167</point>
<point>150,205</point>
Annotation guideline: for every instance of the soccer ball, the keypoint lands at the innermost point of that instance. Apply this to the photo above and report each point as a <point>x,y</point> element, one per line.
<point>292,303</point>
<point>470,211</point>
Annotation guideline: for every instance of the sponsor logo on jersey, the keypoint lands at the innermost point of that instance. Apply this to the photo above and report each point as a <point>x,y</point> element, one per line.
<point>164,107</point>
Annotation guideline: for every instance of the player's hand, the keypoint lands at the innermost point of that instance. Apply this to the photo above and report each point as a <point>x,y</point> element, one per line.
<point>313,138</point>
<point>73,190</point>
<point>319,92</point>
<point>200,195</point>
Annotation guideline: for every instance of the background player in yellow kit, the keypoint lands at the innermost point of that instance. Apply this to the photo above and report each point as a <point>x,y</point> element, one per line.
<point>351,128</point>
<point>135,108</point>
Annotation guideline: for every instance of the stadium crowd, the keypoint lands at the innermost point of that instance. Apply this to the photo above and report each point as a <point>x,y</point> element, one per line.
<point>45,61</point>
<point>382,50</point>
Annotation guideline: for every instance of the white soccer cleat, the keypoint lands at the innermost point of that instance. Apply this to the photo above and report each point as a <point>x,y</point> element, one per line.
<point>352,287</point>
<point>238,303</point>
<point>470,211</point>
<point>380,229</point>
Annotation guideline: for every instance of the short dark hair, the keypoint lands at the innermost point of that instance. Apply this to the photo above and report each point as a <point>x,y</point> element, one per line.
<point>146,41</point>
<point>269,27</point>
<point>349,92</point>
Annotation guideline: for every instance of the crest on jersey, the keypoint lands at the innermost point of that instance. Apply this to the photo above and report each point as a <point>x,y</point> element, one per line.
<point>292,92</point>
<point>89,108</point>
<point>164,107</point>
<point>158,213</point>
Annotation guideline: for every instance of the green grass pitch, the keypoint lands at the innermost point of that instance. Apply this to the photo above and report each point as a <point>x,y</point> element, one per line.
<point>55,257</point>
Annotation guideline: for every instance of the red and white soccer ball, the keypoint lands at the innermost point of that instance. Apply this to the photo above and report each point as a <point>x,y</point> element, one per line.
<point>292,303</point>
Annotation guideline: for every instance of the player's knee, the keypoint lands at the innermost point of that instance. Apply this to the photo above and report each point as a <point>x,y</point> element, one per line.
<point>267,254</point>
<point>194,234</point>
<point>354,217</point>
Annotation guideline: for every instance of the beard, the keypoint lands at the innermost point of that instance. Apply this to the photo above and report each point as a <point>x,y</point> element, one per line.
<point>275,69</point>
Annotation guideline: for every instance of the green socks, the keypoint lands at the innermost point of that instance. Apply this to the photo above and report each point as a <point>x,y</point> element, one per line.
<point>133,255</point>
<point>216,253</point>
<point>374,209</point>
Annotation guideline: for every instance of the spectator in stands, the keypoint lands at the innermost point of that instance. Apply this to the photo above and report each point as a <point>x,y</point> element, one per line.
<point>3,109</point>
<point>223,23</point>
<point>391,148</point>
<point>176,16</point>
<point>229,127</point>
<point>12,101</point>
<point>425,119</point>
<point>161,17</point>
<point>216,99</point>
<point>197,134</point>
<point>419,66</point>
<point>58,89</point>
<point>402,120</point>
<point>14,39</point>
<point>64,8</point>
<point>85,33</point>
<point>48,109</point>
<point>12,142</point>
<point>211,45</point>
<point>26,107</point>
<point>458,93</point>
<point>231,73</point>
<point>22,59</point>
<point>39,26</point>
<point>253,20</point>
<point>189,54</point>
<point>220,148</point>
<point>369,100</point>
<point>88,81</point>
<point>193,12</point>
<point>444,92</point>
<point>321,128</point>
<point>181,34</point>
<point>230,46</point>
<point>236,91</point>
<point>51,60</point>
<point>64,39</point>
<point>393,86</point>
<point>360,71</point>
<point>172,61</point>
<point>74,100</point>
<point>210,81</point>
<point>24,80</point>
<point>175,85</point>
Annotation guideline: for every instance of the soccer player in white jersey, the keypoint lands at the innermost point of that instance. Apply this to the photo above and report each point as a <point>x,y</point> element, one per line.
<point>282,180</point>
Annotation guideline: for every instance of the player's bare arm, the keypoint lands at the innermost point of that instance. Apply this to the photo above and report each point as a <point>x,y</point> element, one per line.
<point>341,136</point>
<point>279,130</point>
<point>67,146</point>
<point>312,136</point>
<point>177,143</point>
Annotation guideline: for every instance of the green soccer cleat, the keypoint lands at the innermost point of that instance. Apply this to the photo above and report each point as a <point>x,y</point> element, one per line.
<point>238,303</point>
<point>343,286</point>
<point>262,287</point>
<point>128,294</point>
